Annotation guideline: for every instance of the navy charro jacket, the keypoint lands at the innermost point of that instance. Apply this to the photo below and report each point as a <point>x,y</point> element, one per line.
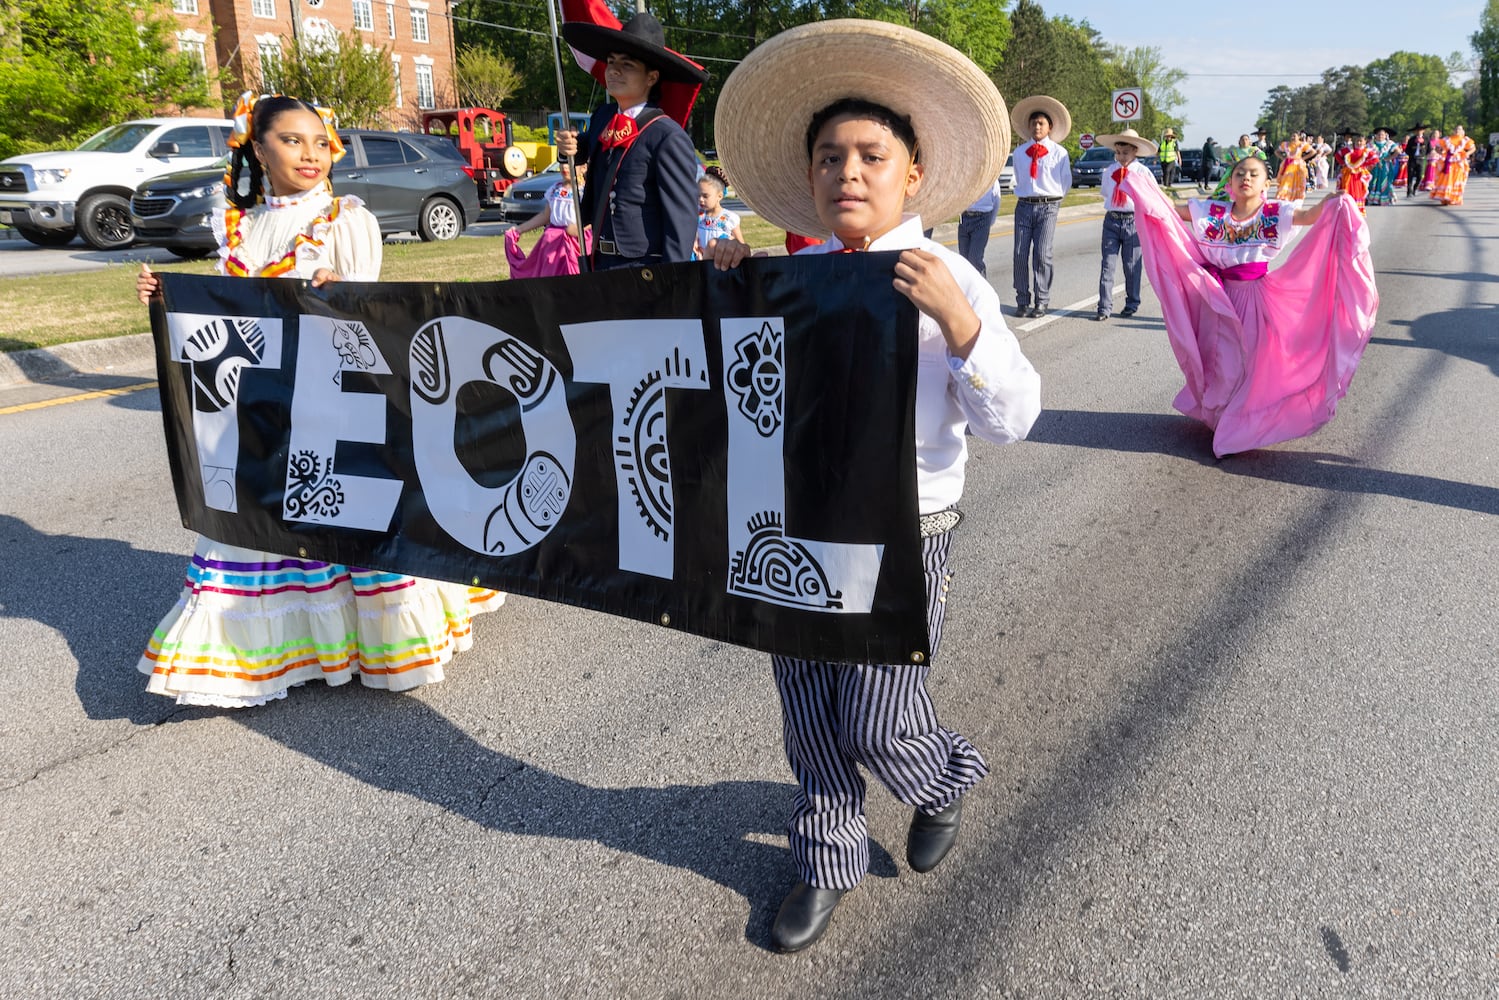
<point>653,210</point>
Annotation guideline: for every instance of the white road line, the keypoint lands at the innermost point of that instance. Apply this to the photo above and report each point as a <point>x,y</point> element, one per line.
<point>1088,305</point>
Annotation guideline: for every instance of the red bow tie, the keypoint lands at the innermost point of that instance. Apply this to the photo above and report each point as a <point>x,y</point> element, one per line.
<point>621,132</point>
<point>1036,152</point>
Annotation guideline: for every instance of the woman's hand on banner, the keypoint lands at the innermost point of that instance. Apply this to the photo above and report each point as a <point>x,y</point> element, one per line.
<point>323,276</point>
<point>728,254</point>
<point>146,284</point>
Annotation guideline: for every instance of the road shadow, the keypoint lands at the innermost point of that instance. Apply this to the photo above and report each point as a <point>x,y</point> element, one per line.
<point>91,591</point>
<point>1184,438</point>
<point>402,745</point>
<point>1471,334</point>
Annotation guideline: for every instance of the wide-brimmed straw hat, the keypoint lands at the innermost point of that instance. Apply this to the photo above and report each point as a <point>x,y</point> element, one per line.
<point>962,132</point>
<point>641,36</point>
<point>1143,146</point>
<point>1061,118</point>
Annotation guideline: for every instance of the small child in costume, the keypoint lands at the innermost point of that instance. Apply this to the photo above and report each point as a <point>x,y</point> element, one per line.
<point>714,222</point>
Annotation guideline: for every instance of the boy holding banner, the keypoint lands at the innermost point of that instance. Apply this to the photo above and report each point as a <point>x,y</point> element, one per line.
<point>882,135</point>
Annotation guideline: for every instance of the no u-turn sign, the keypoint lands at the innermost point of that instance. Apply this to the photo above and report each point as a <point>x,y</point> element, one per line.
<point>1129,104</point>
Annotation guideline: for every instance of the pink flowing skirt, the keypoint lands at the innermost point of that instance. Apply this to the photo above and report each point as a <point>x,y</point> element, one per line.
<point>555,253</point>
<point>1265,361</point>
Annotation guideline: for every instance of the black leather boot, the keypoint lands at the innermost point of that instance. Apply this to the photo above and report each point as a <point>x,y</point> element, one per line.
<point>803,916</point>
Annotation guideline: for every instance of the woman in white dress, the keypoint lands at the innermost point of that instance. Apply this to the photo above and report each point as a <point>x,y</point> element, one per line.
<point>249,625</point>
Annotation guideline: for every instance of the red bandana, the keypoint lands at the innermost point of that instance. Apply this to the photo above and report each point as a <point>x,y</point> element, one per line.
<point>1036,152</point>
<point>1118,176</point>
<point>621,132</point>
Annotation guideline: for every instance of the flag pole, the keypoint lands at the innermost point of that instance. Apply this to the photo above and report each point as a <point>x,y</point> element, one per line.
<point>585,257</point>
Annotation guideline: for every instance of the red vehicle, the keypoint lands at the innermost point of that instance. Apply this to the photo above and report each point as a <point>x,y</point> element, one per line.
<point>483,137</point>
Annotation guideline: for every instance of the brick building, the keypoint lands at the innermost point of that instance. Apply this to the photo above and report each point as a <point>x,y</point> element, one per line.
<point>238,39</point>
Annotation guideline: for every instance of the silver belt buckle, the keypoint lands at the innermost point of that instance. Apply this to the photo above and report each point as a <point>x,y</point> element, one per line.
<point>939,522</point>
<point>607,246</point>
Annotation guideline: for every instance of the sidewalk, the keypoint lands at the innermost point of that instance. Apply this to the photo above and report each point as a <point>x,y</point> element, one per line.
<point>133,353</point>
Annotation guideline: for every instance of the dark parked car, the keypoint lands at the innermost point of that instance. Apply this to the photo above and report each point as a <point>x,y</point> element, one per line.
<point>525,198</point>
<point>1089,168</point>
<point>412,182</point>
<point>1192,166</point>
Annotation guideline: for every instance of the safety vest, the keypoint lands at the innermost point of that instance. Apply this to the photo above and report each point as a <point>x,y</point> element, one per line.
<point>1168,150</point>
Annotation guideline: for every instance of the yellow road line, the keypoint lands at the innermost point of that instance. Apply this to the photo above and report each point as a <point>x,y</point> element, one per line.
<point>80,397</point>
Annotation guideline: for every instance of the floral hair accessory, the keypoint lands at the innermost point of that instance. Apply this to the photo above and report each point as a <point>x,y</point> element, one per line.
<point>242,110</point>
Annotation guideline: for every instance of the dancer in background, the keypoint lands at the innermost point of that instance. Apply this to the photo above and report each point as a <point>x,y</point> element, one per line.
<point>558,250</point>
<point>250,625</point>
<point>1436,151</point>
<point>1290,183</point>
<point>1266,354</point>
<point>1452,177</point>
<point>1320,152</point>
<point>1355,164</point>
<point>1386,168</point>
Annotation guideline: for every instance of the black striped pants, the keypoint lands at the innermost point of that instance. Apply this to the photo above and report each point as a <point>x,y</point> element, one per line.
<point>840,715</point>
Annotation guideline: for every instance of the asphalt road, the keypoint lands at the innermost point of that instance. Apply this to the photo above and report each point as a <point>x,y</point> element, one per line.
<point>1241,716</point>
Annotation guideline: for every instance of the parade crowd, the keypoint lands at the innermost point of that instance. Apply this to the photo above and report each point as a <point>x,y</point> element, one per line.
<point>898,132</point>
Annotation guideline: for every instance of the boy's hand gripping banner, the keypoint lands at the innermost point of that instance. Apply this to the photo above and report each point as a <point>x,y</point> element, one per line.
<point>731,454</point>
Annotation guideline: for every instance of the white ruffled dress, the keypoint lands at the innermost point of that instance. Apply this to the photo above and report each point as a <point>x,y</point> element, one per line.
<point>249,625</point>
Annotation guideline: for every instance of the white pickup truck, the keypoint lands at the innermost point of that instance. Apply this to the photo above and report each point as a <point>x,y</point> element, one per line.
<point>51,197</point>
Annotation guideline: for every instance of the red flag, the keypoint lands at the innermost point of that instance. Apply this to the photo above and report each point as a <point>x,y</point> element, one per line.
<point>676,98</point>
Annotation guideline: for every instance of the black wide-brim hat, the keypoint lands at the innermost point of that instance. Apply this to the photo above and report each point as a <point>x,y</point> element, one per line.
<point>641,37</point>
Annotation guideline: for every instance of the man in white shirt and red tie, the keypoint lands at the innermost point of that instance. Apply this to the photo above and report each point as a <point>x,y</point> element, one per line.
<point>1043,175</point>
<point>1119,236</point>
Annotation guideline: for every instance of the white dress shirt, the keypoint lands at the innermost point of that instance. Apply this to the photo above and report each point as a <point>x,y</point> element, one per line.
<point>994,392</point>
<point>1053,175</point>
<point>1138,171</point>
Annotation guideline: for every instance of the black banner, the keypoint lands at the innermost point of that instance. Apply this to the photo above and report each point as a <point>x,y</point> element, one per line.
<point>727,453</point>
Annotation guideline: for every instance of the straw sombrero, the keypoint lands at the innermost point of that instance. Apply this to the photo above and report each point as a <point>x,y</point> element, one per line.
<point>768,101</point>
<point>1143,146</point>
<point>641,36</point>
<point>1061,118</point>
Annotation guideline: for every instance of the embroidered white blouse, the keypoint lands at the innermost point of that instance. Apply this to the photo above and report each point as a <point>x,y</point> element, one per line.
<point>349,244</point>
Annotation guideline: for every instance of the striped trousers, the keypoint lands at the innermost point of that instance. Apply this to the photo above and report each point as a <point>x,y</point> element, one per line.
<point>837,716</point>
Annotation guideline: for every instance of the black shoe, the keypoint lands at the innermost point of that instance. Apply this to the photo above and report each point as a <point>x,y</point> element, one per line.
<point>1037,312</point>
<point>1021,312</point>
<point>931,837</point>
<point>1126,313</point>
<point>803,916</point>
<point>1100,316</point>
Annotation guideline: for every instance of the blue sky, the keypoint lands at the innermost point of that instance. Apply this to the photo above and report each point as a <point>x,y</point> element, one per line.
<point>1284,38</point>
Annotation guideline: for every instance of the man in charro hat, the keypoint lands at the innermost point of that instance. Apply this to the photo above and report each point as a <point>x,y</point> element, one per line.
<point>641,198</point>
<point>1119,236</point>
<point>1043,176</point>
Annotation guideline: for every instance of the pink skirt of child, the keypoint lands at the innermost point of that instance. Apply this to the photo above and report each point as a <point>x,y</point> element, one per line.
<point>555,253</point>
<point>1265,360</point>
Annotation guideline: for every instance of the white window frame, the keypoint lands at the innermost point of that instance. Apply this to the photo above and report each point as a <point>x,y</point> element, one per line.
<point>270,69</point>
<point>191,43</point>
<point>364,15</point>
<point>184,6</point>
<point>390,17</point>
<point>426,97</point>
<point>395,61</point>
<point>263,8</point>
<point>419,28</point>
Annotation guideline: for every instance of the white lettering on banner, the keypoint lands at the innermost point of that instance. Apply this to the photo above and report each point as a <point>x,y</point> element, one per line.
<point>326,348</point>
<point>765,561</point>
<point>500,520</point>
<point>640,360</point>
<point>216,349</point>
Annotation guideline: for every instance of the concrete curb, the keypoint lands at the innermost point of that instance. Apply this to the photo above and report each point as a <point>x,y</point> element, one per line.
<point>134,352</point>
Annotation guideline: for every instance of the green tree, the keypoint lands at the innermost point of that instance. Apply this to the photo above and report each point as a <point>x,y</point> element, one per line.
<point>485,78</point>
<point>977,28</point>
<point>70,67</point>
<point>1406,87</point>
<point>334,71</point>
<point>1486,48</point>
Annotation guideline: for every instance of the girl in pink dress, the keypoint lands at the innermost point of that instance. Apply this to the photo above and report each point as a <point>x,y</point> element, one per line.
<point>1267,355</point>
<point>557,251</point>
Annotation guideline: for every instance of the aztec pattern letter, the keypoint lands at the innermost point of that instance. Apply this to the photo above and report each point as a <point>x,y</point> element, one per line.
<point>766,562</point>
<point>640,360</point>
